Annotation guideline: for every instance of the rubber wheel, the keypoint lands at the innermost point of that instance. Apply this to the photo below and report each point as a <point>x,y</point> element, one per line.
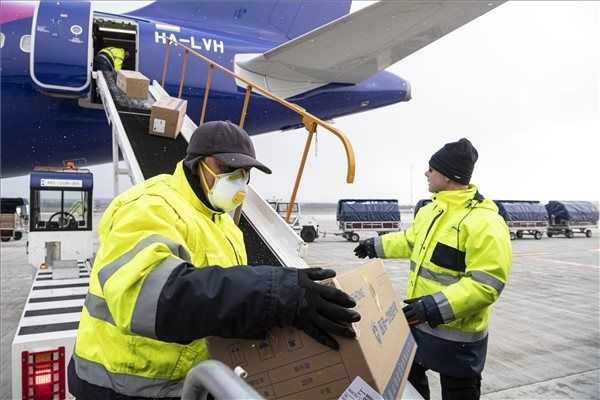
<point>569,233</point>
<point>549,234</point>
<point>588,233</point>
<point>5,239</point>
<point>513,236</point>
<point>18,235</point>
<point>308,234</point>
<point>520,234</point>
<point>538,235</point>
<point>354,237</point>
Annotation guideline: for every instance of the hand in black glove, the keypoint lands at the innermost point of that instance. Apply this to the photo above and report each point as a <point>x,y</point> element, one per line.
<point>324,309</point>
<point>422,309</point>
<point>366,248</point>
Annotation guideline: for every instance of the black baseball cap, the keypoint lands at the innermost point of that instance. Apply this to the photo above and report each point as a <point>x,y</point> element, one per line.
<point>226,142</point>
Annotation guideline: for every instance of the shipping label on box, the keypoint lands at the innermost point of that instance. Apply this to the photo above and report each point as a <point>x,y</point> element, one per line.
<point>166,116</point>
<point>133,83</point>
<point>291,365</point>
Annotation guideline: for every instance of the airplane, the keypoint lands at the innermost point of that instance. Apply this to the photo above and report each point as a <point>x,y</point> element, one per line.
<point>313,53</point>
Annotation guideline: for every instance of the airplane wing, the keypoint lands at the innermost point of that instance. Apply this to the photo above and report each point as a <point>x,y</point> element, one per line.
<point>356,46</point>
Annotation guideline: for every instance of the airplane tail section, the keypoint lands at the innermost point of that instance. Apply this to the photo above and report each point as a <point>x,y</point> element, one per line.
<point>288,18</point>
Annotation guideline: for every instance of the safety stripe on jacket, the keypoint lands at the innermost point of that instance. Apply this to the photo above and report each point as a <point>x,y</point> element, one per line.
<point>487,279</point>
<point>453,335</point>
<point>441,277</point>
<point>129,385</point>
<point>447,279</point>
<point>143,320</point>
<point>444,306</point>
<point>109,269</point>
<point>97,308</point>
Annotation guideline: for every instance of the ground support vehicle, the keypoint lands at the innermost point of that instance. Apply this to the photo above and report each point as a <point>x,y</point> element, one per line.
<point>307,227</point>
<point>524,217</point>
<point>571,217</point>
<point>357,216</point>
<point>60,227</point>
<point>13,218</point>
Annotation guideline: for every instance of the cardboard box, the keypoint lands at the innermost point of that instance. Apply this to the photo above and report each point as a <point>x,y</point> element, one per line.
<point>133,83</point>
<point>291,365</point>
<point>166,116</point>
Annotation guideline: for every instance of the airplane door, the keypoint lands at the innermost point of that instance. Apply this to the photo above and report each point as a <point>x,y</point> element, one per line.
<point>61,53</point>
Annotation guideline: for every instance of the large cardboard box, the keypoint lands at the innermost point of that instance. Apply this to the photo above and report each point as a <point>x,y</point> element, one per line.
<point>166,116</point>
<point>291,365</point>
<point>133,83</point>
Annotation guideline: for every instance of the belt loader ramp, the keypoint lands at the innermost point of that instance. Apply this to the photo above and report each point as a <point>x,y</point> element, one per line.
<point>269,240</point>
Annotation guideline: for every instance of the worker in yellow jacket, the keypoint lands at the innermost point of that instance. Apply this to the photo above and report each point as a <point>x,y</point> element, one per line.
<point>460,259</point>
<point>171,270</point>
<point>110,59</point>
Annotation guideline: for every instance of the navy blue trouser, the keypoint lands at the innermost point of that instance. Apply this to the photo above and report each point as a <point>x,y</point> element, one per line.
<point>452,388</point>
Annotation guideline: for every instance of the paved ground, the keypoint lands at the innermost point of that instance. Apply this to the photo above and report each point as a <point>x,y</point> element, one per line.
<point>544,341</point>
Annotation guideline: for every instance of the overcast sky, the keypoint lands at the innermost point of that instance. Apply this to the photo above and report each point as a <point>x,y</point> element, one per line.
<point>521,82</point>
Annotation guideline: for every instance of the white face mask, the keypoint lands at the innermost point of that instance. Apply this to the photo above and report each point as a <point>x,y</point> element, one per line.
<point>228,190</point>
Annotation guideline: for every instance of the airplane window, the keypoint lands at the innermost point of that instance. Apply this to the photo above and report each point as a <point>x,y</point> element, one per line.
<point>1,40</point>
<point>25,43</point>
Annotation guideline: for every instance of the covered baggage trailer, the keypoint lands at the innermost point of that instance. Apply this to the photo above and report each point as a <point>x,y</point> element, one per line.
<point>362,215</point>
<point>13,218</point>
<point>524,217</point>
<point>570,217</point>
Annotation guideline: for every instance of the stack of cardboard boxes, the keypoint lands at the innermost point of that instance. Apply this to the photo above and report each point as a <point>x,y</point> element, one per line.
<point>167,113</point>
<point>291,365</point>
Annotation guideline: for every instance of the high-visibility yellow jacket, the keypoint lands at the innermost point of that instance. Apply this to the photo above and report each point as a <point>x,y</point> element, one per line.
<point>114,54</point>
<point>460,253</point>
<point>145,234</point>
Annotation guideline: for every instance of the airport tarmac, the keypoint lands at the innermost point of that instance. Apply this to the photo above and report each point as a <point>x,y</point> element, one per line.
<point>544,334</point>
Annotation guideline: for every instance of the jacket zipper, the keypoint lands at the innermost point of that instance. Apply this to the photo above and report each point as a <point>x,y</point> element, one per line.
<point>234,252</point>
<point>431,225</point>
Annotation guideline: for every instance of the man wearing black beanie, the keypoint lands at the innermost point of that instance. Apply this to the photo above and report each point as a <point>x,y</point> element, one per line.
<point>460,259</point>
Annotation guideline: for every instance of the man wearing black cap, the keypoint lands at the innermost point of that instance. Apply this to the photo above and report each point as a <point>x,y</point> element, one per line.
<point>460,259</point>
<point>171,271</point>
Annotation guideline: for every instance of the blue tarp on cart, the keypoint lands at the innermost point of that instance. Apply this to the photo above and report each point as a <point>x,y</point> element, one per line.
<point>572,211</point>
<point>521,211</point>
<point>368,210</point>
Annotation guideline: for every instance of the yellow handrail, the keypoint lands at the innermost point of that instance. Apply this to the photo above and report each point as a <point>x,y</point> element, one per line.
<point>310,121</point>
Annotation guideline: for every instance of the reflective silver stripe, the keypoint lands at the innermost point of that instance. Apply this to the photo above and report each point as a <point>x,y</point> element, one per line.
<point>126,384</point>
<point>378,244</point>
<point>443,278</point>
<point>453,335</point>
<point>444,306</point>
<point>487,279</point>
<point>178,250</point>
<point>413,265</point>
<point>98,308</point>
<point>143,320</point>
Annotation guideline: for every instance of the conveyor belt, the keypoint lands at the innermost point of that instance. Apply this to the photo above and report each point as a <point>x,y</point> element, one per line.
<point>153,155</point>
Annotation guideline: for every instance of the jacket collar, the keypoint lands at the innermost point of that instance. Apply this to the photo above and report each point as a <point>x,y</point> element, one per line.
<point>457,198</point>
<point>184,187</point>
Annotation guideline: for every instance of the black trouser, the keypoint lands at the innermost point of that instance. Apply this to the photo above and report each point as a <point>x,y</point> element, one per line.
<point>452,388</point>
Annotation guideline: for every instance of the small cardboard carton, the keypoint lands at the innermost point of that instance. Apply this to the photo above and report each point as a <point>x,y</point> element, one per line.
<point>291,365</point>
<point>166,116</point>
<point>133,83</point>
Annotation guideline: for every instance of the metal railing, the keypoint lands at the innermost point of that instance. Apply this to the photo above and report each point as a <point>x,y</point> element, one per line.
<point>310,121</point>
<point>220,381</point>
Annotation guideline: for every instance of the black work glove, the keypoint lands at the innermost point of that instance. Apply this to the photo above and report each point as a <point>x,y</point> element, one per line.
<point>324,309</point>
<point>366,248</point>
<point>422,309</point>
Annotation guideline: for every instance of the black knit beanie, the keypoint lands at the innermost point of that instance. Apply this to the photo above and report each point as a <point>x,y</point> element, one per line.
<point>455,160</point>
